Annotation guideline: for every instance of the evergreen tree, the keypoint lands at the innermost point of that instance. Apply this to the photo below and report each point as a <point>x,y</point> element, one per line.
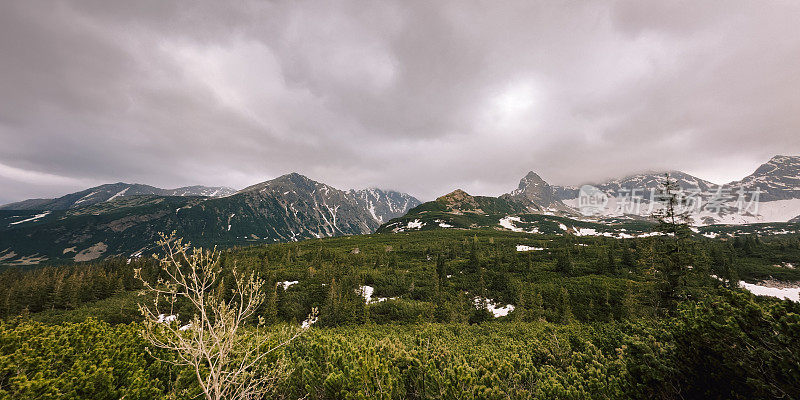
<point>270,309</point>
<point>611,264</point>
<point>627,259</point>
<point>537,307</point>
<point>441,271</point>
<point>671,265</point>
<point>566,307</point>
<point>564,262</point>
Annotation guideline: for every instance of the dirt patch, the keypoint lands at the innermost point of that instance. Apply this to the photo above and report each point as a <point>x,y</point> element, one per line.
<point>29,260</point>
<point>92,252</point>
<point>5,256</point>
<point>124,223</point>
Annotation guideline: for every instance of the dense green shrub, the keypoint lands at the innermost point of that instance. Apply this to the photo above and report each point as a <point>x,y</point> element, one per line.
<point>729,345</point>
<point>89,360</point>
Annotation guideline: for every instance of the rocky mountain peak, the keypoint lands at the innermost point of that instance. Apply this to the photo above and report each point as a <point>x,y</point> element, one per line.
<point>457,195</point>
<point>532,178</point>
<point>777,179</point>
<point>458,199</point>
<point>779,165</point>
<point>291,182</point>
<point>533,189</point>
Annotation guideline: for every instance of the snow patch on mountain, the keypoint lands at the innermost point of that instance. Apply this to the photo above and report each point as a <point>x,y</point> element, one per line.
<point>33,218</point>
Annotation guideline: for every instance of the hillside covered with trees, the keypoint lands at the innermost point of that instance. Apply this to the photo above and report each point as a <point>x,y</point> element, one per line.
<point>402,316</point>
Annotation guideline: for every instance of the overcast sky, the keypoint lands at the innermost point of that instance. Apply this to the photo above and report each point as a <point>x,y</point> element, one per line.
<point>422,97</point>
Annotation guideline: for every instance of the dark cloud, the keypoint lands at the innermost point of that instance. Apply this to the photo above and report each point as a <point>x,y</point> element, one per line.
<point>422,97</point>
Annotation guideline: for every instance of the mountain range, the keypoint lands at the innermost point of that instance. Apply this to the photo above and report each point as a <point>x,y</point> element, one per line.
<point>777,183</point>
<point>770,194</point>
<point>124,220</point>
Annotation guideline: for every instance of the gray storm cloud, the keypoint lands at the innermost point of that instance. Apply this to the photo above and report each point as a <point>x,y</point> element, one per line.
<point>421,97</point>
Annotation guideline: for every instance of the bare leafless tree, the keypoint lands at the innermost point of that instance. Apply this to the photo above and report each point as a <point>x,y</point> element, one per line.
<point>228,355</point>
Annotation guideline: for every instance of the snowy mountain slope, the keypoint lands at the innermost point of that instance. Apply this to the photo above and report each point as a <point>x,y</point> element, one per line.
<point>778,179</point>
<point>641,182</point>
<point>384,205</point>
<point>303,207</point>
<point>770,194</point>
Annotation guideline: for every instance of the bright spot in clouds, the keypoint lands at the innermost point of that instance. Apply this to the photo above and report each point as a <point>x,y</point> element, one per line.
<point>513,107</point>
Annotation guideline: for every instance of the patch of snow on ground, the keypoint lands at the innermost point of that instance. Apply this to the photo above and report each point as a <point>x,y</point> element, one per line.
<point>120,193</point>
<point>779,210</point>
<point>367,292</point>
<point>522,247</point>
<point>84,198</point>
<point>286,284</point>
<point>167,318</point>
<point>443,224</point>
<point>648,234</point>
<point>789,293</point>
<point>229,221</point>
<point>508,223</point>
<point>585,231</point>
<point>766,211</point>
<point>308,322</point>
<point>33,218</point>
<point>563,227</point>
<point>494,307</point>
<point>415,224</point>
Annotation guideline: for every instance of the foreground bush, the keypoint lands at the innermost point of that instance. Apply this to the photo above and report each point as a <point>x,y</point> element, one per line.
<point>90,360</point>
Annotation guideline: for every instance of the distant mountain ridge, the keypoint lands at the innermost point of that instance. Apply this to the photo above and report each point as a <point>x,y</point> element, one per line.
<point>642,181</point>
<point>772,194</point>
<point>778,200</point>
<point>288,208</point>
<point>112,191</point>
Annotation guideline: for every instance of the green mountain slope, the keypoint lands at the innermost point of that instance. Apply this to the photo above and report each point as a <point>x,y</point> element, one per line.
<point>289,208</point>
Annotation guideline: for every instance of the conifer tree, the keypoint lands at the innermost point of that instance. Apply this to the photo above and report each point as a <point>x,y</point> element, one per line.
<point>671,265</point>
<point>611,263</point>
<point>566,307</point>
<point>537,307</point>
<point>564,262</point>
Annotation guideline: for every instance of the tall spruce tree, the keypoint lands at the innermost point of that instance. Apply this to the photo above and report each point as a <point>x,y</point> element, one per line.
<point>671,261</point>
